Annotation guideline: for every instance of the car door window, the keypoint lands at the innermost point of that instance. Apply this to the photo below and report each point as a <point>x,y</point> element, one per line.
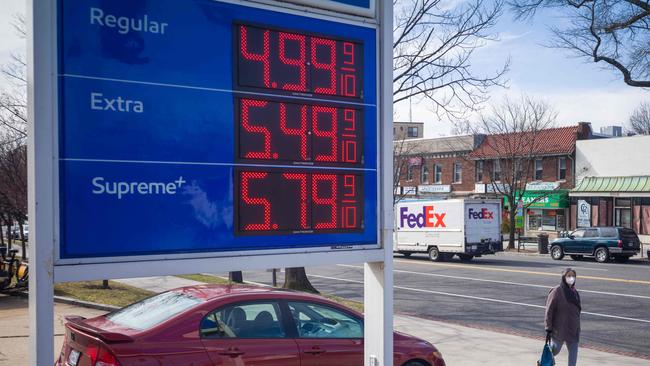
<point>321,321</point>
<point>578,234</point>
<point>608,232</point>
<point>244,320</point>
<point>591,233</point>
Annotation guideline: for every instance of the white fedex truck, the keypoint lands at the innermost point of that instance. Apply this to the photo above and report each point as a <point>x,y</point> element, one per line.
<point>467,228</point>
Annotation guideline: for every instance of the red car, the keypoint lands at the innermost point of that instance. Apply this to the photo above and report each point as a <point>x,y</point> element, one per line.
<point>212,325</point>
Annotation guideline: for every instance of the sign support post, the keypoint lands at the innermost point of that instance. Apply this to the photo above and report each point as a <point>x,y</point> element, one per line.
<point>378,276</point>
<point>41,136</point>
<point>52,255</point>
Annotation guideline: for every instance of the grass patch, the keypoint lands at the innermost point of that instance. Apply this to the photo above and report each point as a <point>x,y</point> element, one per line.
<point>117,294</point>
<point>215,280</point>
<point>358,306</point>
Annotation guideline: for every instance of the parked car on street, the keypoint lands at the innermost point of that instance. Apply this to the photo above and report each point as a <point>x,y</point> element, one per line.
<point>602,243</point>
<point>228,326</point>
<point>15,232</point>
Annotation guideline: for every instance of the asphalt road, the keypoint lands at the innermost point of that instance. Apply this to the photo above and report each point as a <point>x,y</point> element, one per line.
<point>508,292</point>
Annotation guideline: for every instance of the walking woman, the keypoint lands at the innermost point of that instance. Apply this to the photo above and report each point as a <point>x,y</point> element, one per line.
<point>563,316</point>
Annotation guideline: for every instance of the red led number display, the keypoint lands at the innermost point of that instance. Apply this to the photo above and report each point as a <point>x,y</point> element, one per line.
<point>299,63</point>
<point>270,130</point>
<point>299,201</point>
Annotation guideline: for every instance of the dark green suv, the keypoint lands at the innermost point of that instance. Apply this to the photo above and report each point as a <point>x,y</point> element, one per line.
<point>602,243</point>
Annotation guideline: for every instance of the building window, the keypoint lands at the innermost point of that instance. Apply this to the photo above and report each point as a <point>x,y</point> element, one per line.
<point>539,169</point>
<point>496,170</point>
<point>458,173</point>
<point>437,173</point>
<point>409,172</point>
<point>412,132</point>
<point>561,168</point>
<point>424,174</point>
<point>479,171</point>
<point>623,212</point>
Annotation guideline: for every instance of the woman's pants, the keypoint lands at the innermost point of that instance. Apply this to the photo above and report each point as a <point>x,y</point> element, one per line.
<point>572,347</point>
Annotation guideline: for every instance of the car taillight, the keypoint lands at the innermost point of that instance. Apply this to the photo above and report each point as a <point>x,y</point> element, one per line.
<point>620,243</point>
<point>102,356</point>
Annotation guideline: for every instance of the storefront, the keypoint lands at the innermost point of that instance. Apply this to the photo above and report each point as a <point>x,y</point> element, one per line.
<point>612,201</point>
<point>543,211</point>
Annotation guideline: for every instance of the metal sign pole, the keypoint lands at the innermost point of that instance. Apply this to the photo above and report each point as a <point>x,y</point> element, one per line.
<point>378,276</point>
<point>41,72</point>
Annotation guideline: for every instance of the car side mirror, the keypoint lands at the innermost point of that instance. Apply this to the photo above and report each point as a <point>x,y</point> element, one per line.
<point>572,237</point>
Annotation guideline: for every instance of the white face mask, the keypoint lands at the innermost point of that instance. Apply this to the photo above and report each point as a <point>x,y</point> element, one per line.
<point>570,280</point>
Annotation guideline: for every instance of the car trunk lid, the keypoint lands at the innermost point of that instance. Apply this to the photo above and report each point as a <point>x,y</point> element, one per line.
<point>87,345</point>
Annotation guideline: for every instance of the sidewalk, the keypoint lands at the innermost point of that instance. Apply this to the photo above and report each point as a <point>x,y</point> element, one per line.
<point>460,345</point>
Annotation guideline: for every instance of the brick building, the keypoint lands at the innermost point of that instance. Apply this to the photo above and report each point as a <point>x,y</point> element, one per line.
<point>437,167</point>
<point>549,159</point>
<point>469,166</point>
<point>407,130</point>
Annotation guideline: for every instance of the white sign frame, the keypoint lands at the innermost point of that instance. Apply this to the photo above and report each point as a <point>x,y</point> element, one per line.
<point>43,196</point>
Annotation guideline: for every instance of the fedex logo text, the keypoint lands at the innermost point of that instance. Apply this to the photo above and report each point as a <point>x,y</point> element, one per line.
<point>483,214</point>
<point>427,218</point>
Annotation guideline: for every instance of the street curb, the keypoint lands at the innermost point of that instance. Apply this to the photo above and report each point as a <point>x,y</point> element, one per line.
<point>71,301</point>
<point>85,304</point>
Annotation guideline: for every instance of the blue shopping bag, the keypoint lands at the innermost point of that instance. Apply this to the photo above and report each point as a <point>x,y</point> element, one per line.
<point>547,358</point>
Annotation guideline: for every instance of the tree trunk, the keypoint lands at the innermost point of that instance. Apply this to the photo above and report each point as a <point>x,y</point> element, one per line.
<point>2,234</point>
<point>9,238</point>
<point>105,285</point>
<point>236,277</point>
<point>512,210</point>
<point>22,239</point>
<point>296,279</point>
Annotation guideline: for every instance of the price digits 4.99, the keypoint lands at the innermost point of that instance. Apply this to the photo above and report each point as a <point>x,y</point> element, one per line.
<point>300,63</point>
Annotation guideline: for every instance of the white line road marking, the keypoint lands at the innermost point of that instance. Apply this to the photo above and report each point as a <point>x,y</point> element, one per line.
<point>484,299</point>
<point>503,282</point>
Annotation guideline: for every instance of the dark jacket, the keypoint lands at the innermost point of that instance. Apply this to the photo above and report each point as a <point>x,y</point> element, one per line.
<point>563,313</point>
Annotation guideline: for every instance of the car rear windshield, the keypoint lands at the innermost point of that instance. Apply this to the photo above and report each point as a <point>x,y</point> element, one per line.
<point>154,310</point>
<point>628,234</point>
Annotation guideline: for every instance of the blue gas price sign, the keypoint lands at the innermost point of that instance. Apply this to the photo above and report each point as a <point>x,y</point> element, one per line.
<point>219,128</point>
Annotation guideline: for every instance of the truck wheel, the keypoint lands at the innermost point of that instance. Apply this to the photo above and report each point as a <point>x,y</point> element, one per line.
<point>465,257</point>
<point>602,255</point>
<point>557,253</point>
<point>577,257</point>
<point>435,255</point>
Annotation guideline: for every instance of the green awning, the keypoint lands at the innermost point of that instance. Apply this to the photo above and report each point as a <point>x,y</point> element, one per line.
<point>614,184</point>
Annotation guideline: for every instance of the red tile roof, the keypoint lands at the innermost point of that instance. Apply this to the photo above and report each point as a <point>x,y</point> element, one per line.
<point>552,141</point>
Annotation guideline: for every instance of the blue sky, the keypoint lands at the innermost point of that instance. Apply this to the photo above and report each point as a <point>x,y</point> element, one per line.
<point>577,89</point>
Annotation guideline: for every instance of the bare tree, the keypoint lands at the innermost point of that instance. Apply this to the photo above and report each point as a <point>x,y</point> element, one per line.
<point>615,33</point>
<point>640,119</point>
<point>433,48</point>
<point>514,137</point>
<point>13,134</point>
<point>403,150</point>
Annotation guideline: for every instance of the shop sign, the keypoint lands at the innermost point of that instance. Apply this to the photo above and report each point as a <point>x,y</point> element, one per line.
<point>544,200</point>
<point>434,188</point>
<point>542,186</point>
<point>497,188</point>
<point>584,214</point>
<point>409,191</point>
<point>416,161</point>
<point>479,188</point>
